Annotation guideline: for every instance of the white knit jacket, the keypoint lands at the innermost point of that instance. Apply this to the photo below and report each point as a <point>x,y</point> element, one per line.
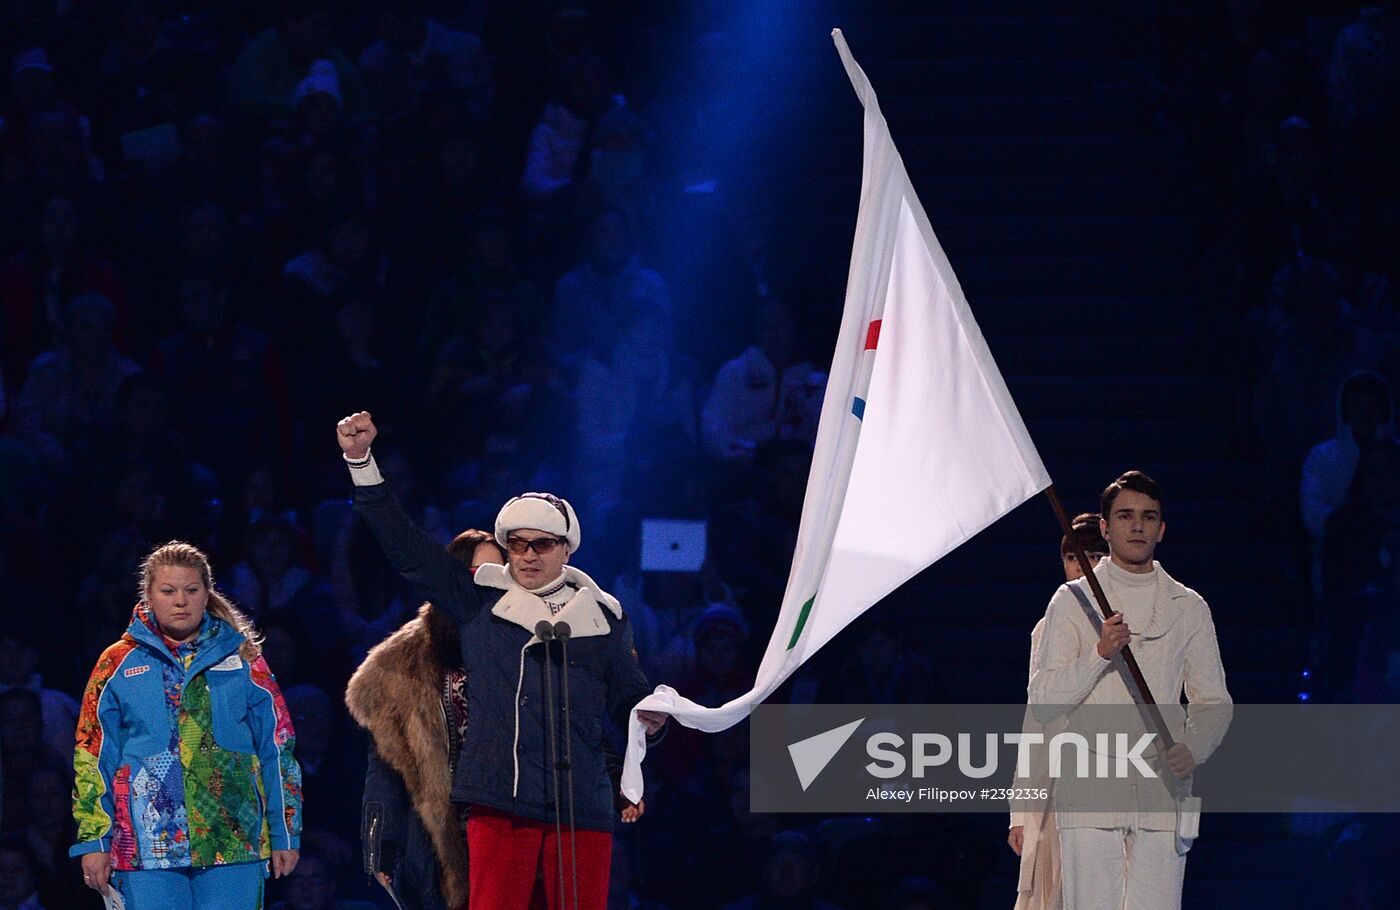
<point>1177,652</point>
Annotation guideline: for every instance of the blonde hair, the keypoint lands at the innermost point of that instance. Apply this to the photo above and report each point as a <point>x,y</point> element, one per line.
<point>183,555</point>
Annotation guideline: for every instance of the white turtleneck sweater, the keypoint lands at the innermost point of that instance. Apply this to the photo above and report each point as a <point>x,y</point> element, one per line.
<point>556,594</point>
<point>1173,639</point>
<point>1131,593</point>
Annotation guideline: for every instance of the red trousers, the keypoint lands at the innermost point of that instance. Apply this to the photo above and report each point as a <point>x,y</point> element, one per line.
<point>507,853</point>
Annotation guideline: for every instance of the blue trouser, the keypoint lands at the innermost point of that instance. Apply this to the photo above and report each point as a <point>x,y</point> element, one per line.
<point>234,887</point>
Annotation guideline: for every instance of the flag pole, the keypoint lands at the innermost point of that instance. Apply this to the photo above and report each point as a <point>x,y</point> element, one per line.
<point>1134,670</point>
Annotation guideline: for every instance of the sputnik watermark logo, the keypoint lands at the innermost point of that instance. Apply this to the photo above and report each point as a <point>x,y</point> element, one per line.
<point>1085,758</point>
<point>932,750</point>
<point>810,756</point>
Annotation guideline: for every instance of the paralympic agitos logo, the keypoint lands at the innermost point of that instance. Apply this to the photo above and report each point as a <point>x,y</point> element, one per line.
<point>894,755</point>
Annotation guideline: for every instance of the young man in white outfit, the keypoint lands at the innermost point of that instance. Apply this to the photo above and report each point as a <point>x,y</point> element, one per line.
<point>1118,855</point>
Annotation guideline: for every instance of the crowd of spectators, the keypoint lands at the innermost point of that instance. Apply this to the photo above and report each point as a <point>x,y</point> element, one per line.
<point>229,225</point>
<point>521,236</point>
<point>1285,121</point>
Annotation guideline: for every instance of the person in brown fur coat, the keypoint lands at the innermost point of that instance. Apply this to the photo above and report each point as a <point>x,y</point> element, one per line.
<point>410,694</point>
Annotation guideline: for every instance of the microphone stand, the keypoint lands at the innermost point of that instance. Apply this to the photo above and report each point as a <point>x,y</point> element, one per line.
<point>544,631</point>
<point>562,633</point>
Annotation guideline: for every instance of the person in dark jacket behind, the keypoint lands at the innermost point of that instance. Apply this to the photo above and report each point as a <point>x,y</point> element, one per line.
<point>410,695</point>
<point>504,771</point>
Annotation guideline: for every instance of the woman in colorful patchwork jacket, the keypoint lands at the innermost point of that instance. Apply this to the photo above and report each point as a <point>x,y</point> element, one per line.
<point>186,783</point>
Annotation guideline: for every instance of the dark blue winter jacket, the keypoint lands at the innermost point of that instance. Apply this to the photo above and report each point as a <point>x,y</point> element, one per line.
<point>505,762</point>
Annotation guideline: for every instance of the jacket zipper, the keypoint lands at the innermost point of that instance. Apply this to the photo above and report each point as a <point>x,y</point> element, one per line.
<point>373,842</point>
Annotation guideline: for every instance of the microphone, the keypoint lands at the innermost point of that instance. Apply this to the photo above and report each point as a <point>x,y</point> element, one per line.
<point>562,633</point>
<point>544,631</point>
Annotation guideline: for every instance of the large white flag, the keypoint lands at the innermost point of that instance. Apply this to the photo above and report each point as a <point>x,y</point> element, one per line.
<point>919,447</point>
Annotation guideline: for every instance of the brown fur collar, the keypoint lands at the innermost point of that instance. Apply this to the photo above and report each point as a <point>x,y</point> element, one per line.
<point>396,694</point>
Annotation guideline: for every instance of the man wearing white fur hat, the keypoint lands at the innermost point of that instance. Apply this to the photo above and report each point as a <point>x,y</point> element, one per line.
<point>515,686</point>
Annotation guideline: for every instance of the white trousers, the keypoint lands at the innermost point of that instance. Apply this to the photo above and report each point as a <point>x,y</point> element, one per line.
<point>1120,869</point>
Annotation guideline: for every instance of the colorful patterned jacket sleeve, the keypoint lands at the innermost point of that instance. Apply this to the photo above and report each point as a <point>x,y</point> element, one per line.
<point>96,755</point>
<point>275,740</point>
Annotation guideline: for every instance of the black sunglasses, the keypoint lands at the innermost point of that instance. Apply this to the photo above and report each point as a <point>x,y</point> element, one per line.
<point>542,546</point>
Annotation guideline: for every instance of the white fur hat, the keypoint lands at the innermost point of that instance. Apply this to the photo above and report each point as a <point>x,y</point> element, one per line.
<point>539,512</point>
